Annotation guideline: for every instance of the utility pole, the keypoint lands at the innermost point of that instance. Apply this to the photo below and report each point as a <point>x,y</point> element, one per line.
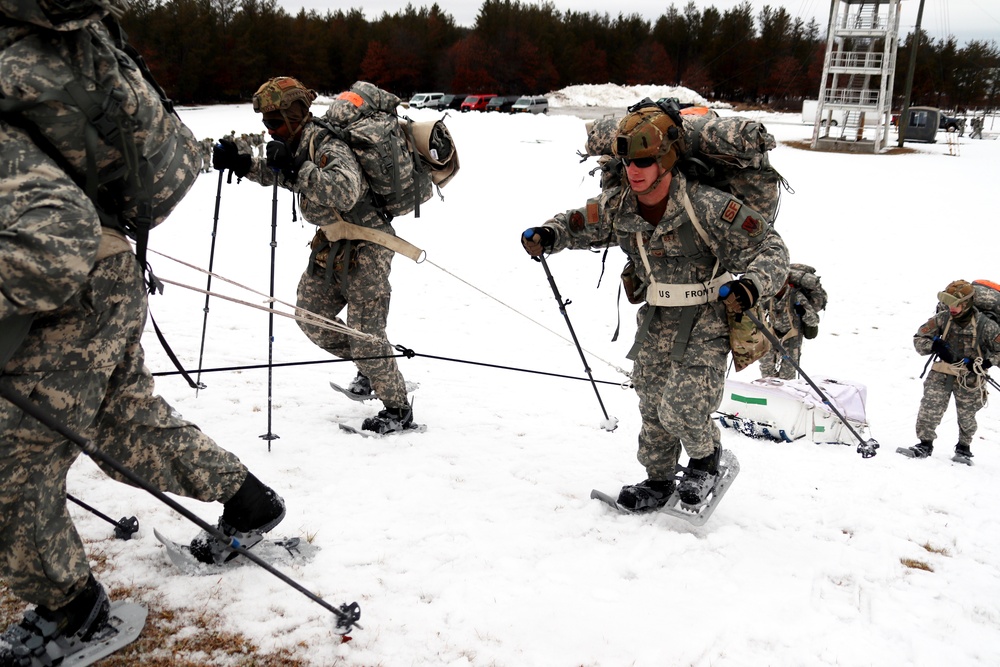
<point>904,116</point>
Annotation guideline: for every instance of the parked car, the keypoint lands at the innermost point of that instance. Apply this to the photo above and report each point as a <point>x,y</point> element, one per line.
<point>442,102</point>
<point>530,104</point>
<point>501,103</point>
<point>477,102</point>
<point>422,100</point>
<point>950,124</point>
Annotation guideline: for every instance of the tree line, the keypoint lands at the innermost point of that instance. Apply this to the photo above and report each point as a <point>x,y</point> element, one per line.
<point>204,51</point>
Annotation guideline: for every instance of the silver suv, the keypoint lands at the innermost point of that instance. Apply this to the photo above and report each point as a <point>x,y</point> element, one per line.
<point>530,104</point>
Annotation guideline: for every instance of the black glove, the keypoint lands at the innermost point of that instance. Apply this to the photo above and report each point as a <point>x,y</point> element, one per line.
<point>280,158</point>
<point>810,331</point>
<point>971,364</point>
<point>538,240</point>
<point>743,292</point>
<point>226,155</point>
<point>941,349</point>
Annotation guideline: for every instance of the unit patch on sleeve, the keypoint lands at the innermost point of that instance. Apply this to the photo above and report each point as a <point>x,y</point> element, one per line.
<point>732,210</point>
<point>752,226</point>
<point>576,221</point>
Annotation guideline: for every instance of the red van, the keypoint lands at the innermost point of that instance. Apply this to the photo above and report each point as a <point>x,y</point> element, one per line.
<point>477,102</point>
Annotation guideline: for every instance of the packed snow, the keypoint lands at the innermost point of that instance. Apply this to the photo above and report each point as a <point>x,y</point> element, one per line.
<point>476,542</point>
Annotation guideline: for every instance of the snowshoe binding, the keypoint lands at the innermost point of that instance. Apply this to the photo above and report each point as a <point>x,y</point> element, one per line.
<point>646,496</point>
<point>963,455</point>
<point>390,420</point>
<point>80,633</point>
<point>921,450</point>
<point>253,511</point>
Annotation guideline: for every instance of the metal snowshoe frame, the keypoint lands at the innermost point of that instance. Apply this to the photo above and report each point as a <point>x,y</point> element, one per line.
<point>865,447</point>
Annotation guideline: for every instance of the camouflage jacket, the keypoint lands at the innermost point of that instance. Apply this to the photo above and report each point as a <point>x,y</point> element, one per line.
<point>979,336</point>
<point>330,182</point>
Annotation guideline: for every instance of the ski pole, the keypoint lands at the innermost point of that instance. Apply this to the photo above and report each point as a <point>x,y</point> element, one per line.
<point>347,615</point>
<point>865,448</point>
<point>124,527</point>
<point>269,436</point>
<point>208,287</point>
<point>609,423</point>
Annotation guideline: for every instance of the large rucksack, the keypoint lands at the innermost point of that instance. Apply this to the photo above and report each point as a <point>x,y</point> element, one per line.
<point>730,154</point>
<point>87,99</point>
<point>986,297</point>
<point>402,160</point>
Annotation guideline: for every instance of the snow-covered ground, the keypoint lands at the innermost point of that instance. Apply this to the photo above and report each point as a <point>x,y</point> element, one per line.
<point>476,543</point>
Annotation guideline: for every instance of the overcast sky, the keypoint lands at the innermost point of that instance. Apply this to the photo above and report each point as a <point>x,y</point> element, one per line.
<point>965,19</point>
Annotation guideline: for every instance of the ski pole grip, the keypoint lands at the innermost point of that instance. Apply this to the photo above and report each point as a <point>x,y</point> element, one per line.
<point>724,291</point>
<point>528,233</point>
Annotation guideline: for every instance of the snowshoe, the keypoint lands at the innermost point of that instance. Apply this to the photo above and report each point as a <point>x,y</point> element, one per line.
<point>963,455</point>
<point>81,633</point>
<point>370,395</point>
<point>389,420</point>
<point>921,450</point>
<point>646,496</point>
<point>252,511</point>
<point>699,478</point>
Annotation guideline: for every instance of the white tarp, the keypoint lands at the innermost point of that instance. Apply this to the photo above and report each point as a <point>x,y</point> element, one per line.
<point>791,409</point>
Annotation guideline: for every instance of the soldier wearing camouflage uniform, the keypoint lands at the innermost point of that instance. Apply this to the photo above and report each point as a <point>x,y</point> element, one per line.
<point>310,161</point>
<point>72,312</point>
<point>794,315</point>
<point>966,343</point>
<point>207,147</point>
<point>682,238</point>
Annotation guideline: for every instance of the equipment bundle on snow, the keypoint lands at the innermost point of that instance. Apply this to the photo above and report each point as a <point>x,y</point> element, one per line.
<point>787,410</point>
<point>402,160</point>
<point>727,153</point>
<point>87,99</point>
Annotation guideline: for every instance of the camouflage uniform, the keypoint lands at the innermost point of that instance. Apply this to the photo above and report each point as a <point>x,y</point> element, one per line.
<point>331,186</point>
<point>793,316</point>
<point>207,147</point>
<point>82,360</point>
<point>679,383</point>
<point>979,337</point>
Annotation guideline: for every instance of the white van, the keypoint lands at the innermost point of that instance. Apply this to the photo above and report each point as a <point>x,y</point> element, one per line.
<point>529,104</point>
<point>421,100</point>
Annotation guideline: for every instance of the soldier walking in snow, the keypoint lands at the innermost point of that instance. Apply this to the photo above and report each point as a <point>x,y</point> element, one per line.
<point>308,160</point>
<point>72,312</point>
<point>966,343</point>
<point>683,238</point>
<point>794,315</point>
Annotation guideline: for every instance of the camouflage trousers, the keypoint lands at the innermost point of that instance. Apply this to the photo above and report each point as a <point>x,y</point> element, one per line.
<point>774,365</point>
<point>84,364</point>
<point>366,297</point>
<point>938,389</point>
<point>676,401</point>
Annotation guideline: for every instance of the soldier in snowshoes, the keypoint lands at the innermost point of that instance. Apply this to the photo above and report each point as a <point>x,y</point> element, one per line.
<point>72,313</point>
<point>793,314</point>
<point>321,168</point>
<point>965,344</point>
<point>683,239</point>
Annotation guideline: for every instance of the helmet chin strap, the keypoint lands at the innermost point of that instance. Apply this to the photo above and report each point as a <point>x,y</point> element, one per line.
<point>656,183</point>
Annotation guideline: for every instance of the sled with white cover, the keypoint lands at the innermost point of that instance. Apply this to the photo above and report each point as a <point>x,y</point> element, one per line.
<point>788,410</point>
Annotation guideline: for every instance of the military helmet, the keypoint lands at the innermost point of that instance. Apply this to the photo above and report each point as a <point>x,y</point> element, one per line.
<point>649,132</point>
<point>956,293</point>
<point>281,92</point>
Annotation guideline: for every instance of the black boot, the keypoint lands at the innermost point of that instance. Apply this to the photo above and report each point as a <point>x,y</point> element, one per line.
<point>64,629</point>
<point>700,478</point>
<point>252,511</point>
<point>963,450</point>
<point>646,496</point>
<point>922,449</point>
<point>390,420</point>
<point>360,385</point>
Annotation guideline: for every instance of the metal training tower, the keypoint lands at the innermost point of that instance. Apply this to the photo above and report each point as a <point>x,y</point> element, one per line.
<point>855,94</point>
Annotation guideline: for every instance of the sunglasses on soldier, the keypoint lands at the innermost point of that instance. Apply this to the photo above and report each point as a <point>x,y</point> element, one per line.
<point>273,123</point>
<point>641,162</point>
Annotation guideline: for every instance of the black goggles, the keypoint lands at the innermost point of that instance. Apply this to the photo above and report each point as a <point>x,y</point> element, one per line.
<point>641,162</point>
<point>273,123</point>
